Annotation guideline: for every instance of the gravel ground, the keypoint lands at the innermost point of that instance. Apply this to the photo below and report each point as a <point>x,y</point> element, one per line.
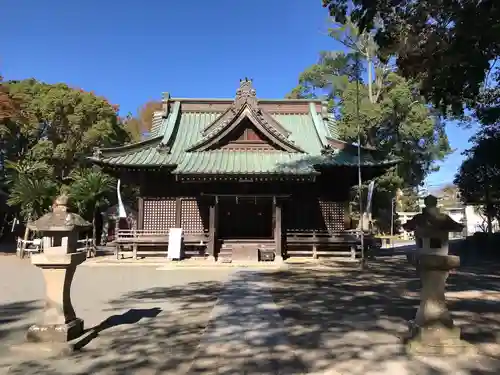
<point>150,321</point>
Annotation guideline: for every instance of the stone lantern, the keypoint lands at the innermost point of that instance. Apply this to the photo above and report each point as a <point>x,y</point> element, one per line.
<point>433,330</point>
<point>58,263</point>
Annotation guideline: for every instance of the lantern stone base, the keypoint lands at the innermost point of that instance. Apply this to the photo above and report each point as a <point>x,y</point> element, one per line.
<point>436,341</point>
<point>52,345</point>
<point>42,350</point>
<point>58,322</point>
<point>433,331</point>
<point>57,333</point>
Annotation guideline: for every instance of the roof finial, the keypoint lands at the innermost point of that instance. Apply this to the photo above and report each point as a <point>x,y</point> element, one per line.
<point>245,93</point>
<point>165,98</point>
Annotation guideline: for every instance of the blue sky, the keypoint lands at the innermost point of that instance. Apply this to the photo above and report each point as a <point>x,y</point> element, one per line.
<point>131,51</point>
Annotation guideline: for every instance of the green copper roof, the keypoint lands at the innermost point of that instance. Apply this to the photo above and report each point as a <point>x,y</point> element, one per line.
<point>143,154</point>
<point>226,161</point>
<point>172,136</point>
<point>243,162</point>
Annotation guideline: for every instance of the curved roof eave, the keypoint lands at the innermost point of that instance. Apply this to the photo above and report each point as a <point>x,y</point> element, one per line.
<point>131,146</point>
<point>101,162</point>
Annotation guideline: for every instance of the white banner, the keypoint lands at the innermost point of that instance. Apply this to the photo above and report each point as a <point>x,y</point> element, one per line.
<point>122,214</point>
<point>371,187</point>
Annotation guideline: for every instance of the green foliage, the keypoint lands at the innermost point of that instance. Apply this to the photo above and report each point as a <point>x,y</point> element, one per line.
<point>89,190</point>
<point>398,123</point>
<point>452,49</point>
<point>478,178</point>
<point>393,117</point>
<point>46,132</point>
<point>136,126</point>
<point>31,188</point>
<point>59,126</point>
<point>408,202</point>
<point>8,107</point>
<point>333,72</point>
<point>32,196</point>
<point>448,46</point>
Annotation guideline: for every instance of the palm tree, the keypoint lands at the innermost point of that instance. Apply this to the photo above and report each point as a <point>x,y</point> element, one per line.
<point>33,196</point>
<point>89,190</point>
<point>31,189</point>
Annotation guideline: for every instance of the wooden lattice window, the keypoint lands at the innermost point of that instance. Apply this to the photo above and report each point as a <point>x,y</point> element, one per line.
<point>302,214</point>
<point>191,217</point>
<point>333,215</point>
<point>159,214</point>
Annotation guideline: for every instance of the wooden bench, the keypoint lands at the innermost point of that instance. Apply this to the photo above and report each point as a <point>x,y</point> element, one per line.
<point>135,239</point>
<point>322,243</point>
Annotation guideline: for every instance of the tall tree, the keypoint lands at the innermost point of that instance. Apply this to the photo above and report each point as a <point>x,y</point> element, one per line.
<point>46,134</point>
<point>138,125</point>
<point>408,200</point>
<point>8,107</point>
<point>393,116</point>
<point>449,46</point>
<point>60,126</point>
<point>90,189</point>
<point>31,188</point>
<point>478,178</point>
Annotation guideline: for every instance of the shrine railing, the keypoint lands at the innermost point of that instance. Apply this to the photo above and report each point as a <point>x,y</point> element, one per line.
<point>315,243</point>
<point>321,236</point>
<point>153,235</point>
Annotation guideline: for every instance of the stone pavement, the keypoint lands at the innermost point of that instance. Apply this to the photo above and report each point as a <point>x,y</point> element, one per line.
<point>246,334</point>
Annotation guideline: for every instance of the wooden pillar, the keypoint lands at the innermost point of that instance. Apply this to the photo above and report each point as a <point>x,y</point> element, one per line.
<point>314,246</point>
<point>347,215</point>
<point>212,229</point>
<point>178,212</point>
<point>140,201</point>
<point>140,213</point>
<point>278,234</point>
<point>353,252</point>
<point>134,251</point>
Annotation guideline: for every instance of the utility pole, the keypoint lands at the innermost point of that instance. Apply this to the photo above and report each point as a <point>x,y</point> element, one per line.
<point>488,205</point>
<point>393,201</point>
<point>360,180</point>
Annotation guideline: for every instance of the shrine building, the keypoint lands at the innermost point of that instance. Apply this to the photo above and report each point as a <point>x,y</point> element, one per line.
<point>245,178</point>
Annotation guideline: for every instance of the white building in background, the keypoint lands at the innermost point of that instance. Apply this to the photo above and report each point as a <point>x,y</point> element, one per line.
<point>403,217</point>
<point>470,216</point>
<point>449,202</point>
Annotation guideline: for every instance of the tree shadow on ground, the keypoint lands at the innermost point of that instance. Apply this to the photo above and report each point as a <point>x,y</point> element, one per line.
<point>145,339</point>
<point>7,247</point>
<point>11,314</point>
<point>328,320</point>
<point>132,316</point>
<point>355,320</point>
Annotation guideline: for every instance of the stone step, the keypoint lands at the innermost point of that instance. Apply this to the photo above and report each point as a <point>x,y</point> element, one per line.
<point>335,253</point>
<point>338,259</point>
